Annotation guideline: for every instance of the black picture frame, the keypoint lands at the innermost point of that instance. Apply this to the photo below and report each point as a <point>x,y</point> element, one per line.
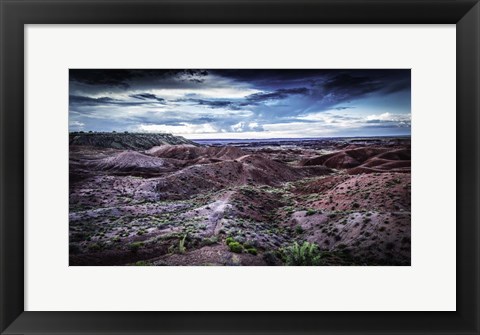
<point>17,13</point>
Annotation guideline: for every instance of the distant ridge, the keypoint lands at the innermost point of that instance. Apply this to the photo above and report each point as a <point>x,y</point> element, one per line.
<point>131,141</point>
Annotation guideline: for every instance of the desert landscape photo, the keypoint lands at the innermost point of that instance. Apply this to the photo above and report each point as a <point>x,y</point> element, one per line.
<point>247,167</point>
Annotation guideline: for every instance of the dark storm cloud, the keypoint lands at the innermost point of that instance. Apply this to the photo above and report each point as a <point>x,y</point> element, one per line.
<point>336,77</point>
<point>122,78</point>
<point>402,84</point>
<point>115,78</point>
<point>340,108</point>
<point>270,78</point>
<point>147,96</point>
<point>215,103</point>
<point>265,79</point>
<point>77,100</point>
<point>352,85</point>
<point>279,94</point>
<point>253,99</point>
<point>234,100</point>
<point>209,103</point>
<point>193,75</point>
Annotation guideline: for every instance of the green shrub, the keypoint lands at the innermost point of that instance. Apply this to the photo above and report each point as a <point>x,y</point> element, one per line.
<point>248,245</point>
<point>229,240</point>
<point>310,212</point>
<point>135,246</point>
<point>210,240</point>
<point>252,251</point>
<point>306,254</point>
<point>94,247</point>
<point>298,229</point>
<point>181,245</point>
<point>235,247</point>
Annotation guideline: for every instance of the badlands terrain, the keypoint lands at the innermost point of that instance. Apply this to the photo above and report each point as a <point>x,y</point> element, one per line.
<point>157,199</point>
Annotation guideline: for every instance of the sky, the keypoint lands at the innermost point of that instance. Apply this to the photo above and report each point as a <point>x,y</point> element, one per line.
<point>242,104</point>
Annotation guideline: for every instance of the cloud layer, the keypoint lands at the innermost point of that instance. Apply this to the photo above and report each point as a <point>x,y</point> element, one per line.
<point>242,103</point>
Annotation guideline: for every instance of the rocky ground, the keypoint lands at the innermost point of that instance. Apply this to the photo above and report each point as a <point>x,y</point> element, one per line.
<point>310,202</point>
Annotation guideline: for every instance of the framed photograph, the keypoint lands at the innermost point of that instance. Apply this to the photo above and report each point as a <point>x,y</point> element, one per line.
<point>240,167</point>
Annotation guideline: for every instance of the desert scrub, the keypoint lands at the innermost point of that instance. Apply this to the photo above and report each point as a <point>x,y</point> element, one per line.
<point>135,246</point>
<point>252,251</point>
<point>306,254</point>
<point>94,247</point>
<point>298,229</point>
<point>310,212</point>
<point>210,240</point>
<point>250,244</point>
<point>181,245</point>
<point>229,240</point>
<point>235,247</point>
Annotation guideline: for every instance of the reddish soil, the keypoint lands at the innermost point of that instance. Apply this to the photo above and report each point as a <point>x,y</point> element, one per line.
<point>190,152</point>
<point>365,160</point>
<point>178,204</point>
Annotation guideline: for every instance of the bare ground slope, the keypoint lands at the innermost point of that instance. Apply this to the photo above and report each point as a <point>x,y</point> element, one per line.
<point>181,204</point>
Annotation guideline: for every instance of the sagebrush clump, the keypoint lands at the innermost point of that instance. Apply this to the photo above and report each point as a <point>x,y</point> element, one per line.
<point>235,247</point>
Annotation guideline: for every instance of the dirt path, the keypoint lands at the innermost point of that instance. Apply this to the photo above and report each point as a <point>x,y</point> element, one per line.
<point>218,211</point>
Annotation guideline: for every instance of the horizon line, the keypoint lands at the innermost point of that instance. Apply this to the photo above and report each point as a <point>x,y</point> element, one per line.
<point>213,138</point>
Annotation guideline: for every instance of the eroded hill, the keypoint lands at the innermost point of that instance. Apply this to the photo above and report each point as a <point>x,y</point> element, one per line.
<point>132,141</point>
<point>248,204</point>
